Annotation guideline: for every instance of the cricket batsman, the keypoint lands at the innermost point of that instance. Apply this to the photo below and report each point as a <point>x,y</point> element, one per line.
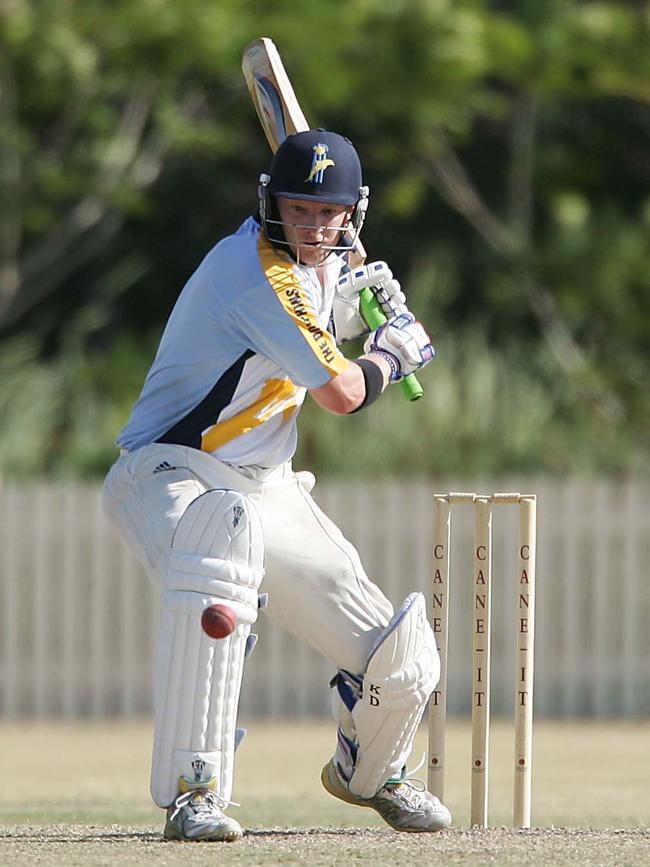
<point>205,493</point>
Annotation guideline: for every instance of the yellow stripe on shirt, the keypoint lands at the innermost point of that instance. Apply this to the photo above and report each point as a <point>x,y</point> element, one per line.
<point>292,296</point>
<point>277,395</point>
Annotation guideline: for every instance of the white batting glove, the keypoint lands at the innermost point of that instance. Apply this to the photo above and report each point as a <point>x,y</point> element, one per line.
<point>347,319</point>
<point>379,277</point>
<point>404,343</point>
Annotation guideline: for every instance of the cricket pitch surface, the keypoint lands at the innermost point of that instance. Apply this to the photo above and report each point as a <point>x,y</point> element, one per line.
<point>76,794</point>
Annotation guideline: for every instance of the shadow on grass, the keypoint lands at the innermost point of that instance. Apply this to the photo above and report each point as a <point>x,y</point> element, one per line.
<point>84,835</point>
<point>321,832</point>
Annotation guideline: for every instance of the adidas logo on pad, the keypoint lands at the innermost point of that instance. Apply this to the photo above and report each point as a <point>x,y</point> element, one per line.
<point>164,467</point>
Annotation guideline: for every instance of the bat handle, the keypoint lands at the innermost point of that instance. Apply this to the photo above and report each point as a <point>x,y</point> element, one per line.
<point>374,317</point>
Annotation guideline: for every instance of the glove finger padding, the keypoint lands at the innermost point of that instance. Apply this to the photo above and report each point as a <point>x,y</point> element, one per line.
<point>391,299</point>
<point>405,342</point>
<point>374,275</point>
<point>378,277</point>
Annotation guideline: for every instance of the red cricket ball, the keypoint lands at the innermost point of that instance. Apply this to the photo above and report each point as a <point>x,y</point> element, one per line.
<point>218,621</point>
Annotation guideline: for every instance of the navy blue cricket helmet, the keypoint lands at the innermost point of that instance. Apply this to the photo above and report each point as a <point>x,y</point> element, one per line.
<point>318,165</point>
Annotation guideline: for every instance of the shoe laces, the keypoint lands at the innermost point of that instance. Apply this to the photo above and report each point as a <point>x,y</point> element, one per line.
<point>410,789</point>
<point>209,802</point>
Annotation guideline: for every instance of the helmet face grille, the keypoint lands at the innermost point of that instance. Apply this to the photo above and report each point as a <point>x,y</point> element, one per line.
<point>318,165</point>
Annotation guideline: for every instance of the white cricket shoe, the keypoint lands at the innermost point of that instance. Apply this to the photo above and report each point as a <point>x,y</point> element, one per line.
<point>401,804</point>
<point>197,814</point>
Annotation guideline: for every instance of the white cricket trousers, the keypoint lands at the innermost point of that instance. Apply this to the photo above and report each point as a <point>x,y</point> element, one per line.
<point>318,590</point>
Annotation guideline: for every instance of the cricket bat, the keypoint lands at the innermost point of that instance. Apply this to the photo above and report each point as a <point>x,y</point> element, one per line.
<point>280,115</point>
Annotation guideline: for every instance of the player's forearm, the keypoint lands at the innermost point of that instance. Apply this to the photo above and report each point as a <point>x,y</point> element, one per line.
<point>348,391</point>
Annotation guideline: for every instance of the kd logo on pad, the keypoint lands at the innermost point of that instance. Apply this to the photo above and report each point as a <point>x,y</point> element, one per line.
<point>319,162</point>
<point>373,697</point>
<point>237,513</point>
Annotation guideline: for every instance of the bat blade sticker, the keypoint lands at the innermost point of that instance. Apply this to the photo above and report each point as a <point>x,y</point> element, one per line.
<point>271,105</point>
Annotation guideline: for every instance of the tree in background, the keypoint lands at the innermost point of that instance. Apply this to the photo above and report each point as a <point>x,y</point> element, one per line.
<point>506,146</point>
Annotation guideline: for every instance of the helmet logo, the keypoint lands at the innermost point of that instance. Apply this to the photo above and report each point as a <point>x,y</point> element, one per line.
<point>319,162</point>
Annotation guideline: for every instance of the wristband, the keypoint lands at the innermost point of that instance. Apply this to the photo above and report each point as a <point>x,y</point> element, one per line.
<point>373,378</point>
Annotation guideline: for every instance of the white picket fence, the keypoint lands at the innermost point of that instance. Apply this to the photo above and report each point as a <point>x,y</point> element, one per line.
<point>77,614</point>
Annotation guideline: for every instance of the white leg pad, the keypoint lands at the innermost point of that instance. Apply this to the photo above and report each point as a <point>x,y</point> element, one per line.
<point>217,556</point>
<point>379,717</point>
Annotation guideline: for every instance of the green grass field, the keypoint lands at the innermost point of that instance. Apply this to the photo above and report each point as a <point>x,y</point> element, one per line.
<point>78,794</point>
